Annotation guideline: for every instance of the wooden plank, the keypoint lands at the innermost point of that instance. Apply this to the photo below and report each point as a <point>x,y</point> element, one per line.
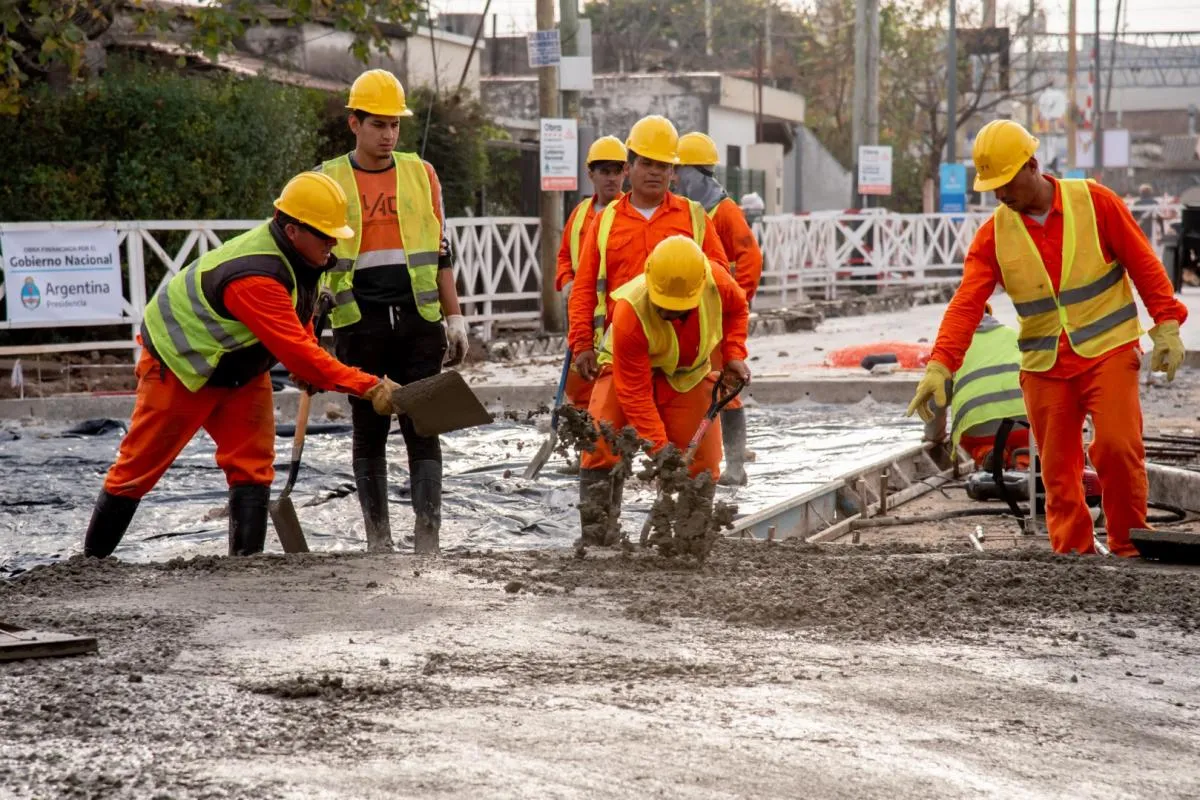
<point>19,643</point>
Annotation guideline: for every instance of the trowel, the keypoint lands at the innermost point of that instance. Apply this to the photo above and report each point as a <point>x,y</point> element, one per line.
<point>547,449</point>
<point>440,404</point>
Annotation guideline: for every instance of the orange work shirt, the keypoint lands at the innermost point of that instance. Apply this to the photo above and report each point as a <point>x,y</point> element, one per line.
<point>740,245</point>
<point>566,270</point>
<point>629,243</point>
<point>264,306</point>
<point>634,379</point>
<point>381,272</point>
<point>1120,239</point>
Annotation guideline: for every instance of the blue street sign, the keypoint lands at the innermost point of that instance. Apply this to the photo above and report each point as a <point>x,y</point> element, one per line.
<point>952,191</point>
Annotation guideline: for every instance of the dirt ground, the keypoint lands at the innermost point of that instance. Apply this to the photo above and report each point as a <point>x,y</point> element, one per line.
<point>775,671</point>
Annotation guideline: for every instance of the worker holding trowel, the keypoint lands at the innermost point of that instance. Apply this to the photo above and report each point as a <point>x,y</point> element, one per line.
<point>655,370</point>
<point>985,391</point>
<point>606,170</point>
<point>210,336</point>
<point>393,288</point>
<point>696,181</point>
<point>1069,254</point>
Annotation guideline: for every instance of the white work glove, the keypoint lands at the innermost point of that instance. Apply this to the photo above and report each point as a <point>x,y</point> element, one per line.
<point>456,339</point>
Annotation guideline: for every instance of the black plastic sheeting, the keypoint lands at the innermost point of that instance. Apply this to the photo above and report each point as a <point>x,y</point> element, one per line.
<point>48,484</point>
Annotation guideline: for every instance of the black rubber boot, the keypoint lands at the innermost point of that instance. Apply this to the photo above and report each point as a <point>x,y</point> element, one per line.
<point>427,506</point>
<point>600,496</point>
<point>370,476</point>
<point>110,520</point>
<point>733,438</point>
<point>248,519</point>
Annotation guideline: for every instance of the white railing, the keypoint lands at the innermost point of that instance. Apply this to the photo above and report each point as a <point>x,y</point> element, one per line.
<point>496,260</point>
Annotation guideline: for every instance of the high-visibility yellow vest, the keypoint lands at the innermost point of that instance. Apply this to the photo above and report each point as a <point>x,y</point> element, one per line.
<point>606,222</point>
<point>419,229</point>
<point>1094,304</point>
<point>660,334</point>
<point>577,229</point>
<point>987,387</point>
<point>182,327</point>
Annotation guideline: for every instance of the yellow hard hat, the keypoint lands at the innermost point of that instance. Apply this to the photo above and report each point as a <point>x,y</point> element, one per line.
<point>378,92</point>
<point>606,148</point>
<point>698,149</point>
<point>676,271</point>
<point>654,137</point>
<point>315,199</point>
<point>1001,149</point>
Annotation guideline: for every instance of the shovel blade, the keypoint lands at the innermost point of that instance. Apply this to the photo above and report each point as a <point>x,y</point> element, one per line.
<point>541,457</point>
<point>440,404</point>
<point>287,525</point>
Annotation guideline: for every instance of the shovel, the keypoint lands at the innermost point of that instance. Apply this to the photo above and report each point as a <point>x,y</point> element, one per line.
<point>440,404</point>
<point>283,510</point>
<point>714,408</point>
<point>547,448</point>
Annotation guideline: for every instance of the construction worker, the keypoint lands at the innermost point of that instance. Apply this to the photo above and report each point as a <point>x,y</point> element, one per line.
<point>985,391</point>
<point>618,241</point>
<point>1066,251</point>
<point>606,170</point>
<point>696,181</point>
<point>393,287</point>
<point>656,373</point>
<point>210,336</point>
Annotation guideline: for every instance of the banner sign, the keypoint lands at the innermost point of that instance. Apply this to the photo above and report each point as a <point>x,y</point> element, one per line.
<point>60,276</point>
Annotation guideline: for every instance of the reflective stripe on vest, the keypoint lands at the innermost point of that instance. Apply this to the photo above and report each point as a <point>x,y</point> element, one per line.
<point>577,230</point>
<point>419,229</point>
<point>184,330</point>
<point>600,315</point>
<point>1094,304</point>
<point>987,386</point>
<point>660,334</point>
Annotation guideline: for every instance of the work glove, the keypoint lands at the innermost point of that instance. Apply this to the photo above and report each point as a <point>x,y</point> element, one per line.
<point>931,387</point>
<point>380,396</point>
<point>456,339</point>
<point>1168,348</point>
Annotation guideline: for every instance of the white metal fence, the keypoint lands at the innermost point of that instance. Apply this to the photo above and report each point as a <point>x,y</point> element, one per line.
<point>813,255</point>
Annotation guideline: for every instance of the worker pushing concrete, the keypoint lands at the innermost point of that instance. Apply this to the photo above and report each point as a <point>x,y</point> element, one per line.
<point>696,180</point>
<point>606,170</point>
<point>985,391</point>
<point>616,245</point>
<point>393,287</point>
<point>656,373</point>
<point>210,336</point>
<point>1066,251</point>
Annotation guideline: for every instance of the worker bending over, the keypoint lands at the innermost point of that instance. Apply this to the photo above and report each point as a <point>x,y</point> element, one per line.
<point>697,182</point>
<point>393,285</point>
<point>210,336</point>
<point>985,391</point>
<point>1066,251</point>
<point>655,371</point>
<point>606,170</point>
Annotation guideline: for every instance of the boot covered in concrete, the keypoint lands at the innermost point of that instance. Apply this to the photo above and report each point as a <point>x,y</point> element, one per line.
<point>427,506</point>
<point>600,494</point>
<point>370,476</point>
<point>733,438</point>
<point>248,519</point>
<point>110,519</point>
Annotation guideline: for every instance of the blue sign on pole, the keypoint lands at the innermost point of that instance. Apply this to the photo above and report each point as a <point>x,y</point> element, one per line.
<point>1075,174</point>
<point>952,192</point>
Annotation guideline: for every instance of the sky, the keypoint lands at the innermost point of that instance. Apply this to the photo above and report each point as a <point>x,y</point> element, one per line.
<point>517,16</point>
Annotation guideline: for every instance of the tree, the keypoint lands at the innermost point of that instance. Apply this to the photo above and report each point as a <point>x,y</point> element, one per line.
<point>51,37</point>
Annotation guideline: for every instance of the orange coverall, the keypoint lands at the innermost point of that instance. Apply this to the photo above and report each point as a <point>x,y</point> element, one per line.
<point>1059,399</point>
<point>578,391</point>
<point>744,254</point>
<point>240,420</point>
<point>629,243</point>
<point>631,392</point>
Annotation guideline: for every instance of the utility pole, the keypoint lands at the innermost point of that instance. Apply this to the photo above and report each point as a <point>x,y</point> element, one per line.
<point>1097,108</point>
<point>1072,68</point>
<point>1029,101</point>
<point>708,48</point>
<point>568,29</point>
<point>952,86</point>
<point>872,131</point>
<point>767,59</point>
<point>858,124</point>
<point>551,202</point>
<point>758,89</point>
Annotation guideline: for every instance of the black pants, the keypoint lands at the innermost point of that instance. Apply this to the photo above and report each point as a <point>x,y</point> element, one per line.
<point>397,342</point>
